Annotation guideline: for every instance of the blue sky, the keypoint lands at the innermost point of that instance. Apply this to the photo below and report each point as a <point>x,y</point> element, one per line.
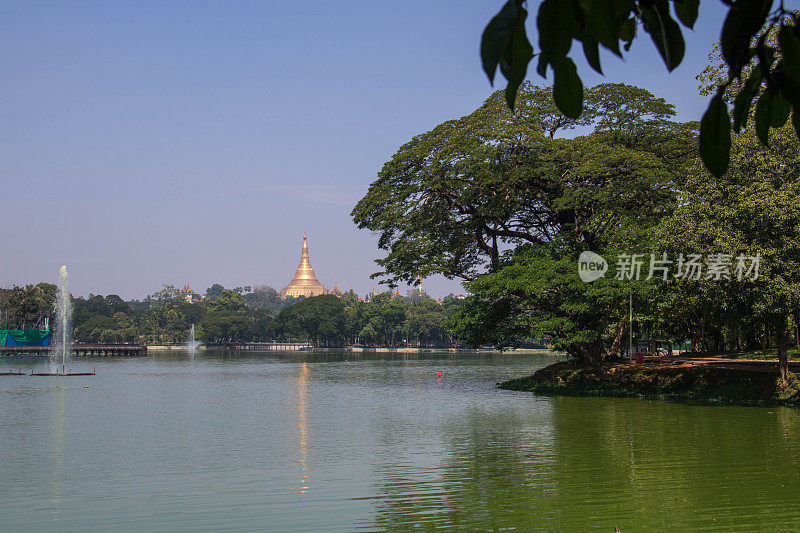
<point>162,142</point>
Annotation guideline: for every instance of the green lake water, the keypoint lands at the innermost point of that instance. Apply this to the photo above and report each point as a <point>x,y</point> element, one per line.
<point>303,442</point>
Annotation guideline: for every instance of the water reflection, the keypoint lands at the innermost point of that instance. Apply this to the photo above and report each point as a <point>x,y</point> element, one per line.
<point>302,431</point>
<point>582,463</point>
<point>378,443</point>
<point>58,447</point>
<point>489,457</point>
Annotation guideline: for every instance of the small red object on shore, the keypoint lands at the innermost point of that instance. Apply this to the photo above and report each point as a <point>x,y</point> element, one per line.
<point>440,373</point>
<point>640,357</point>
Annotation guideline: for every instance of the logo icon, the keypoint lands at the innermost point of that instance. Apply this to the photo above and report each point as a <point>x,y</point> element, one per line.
<point>591,266</point>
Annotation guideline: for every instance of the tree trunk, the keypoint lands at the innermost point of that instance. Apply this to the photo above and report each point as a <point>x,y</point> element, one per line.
<point>594,354</point>
<point>783,359</point>
<point>618,340</point>
<point>797,327</point>
<point>703,345</point>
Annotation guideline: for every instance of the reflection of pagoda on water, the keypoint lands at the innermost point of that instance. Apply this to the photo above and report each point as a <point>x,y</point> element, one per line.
<point>304,283</point>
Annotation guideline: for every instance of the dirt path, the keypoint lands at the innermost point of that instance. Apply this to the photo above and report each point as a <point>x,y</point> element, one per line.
<point>722,362</point>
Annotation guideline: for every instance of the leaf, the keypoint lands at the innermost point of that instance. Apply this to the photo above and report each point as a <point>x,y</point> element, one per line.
<point>495,37</point>
<point>744,100</point>
<point>602,23</point>
<point>790,48</point>
<point>555,22</point>
<point>744,20</point>
<point>623,7</point>
<point>511,95</point>
<point>715,136</point>
<point>665,32</point>
<point>516,56</point>
<point>687,11</point>
<point>780,111</point>
<point>567,88</point>
<point>764,116</point>
<point>592,53</point>
<point>788,86</point>
<point>541,67</point>
<point>627,32</point>
<point>765,53</point>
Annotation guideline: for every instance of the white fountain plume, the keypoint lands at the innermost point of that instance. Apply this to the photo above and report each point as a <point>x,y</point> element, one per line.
<point>192,344</point>
<point>61,341</point>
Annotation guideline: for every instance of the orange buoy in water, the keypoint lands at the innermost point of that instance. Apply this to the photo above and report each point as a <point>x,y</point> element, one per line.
<point>440,373</point>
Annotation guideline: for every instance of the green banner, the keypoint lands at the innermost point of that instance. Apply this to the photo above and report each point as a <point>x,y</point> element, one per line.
<point>26,337</point>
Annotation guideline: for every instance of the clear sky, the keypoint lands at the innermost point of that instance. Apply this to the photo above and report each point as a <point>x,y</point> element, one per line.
<point>154,142</point>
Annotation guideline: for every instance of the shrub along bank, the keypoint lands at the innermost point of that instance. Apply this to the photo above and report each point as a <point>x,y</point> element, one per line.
<point>682,381</point>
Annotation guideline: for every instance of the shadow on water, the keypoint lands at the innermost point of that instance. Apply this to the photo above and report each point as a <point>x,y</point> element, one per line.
<point>583,463</point>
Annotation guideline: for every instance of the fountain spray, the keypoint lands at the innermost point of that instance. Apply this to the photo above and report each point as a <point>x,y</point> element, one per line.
<point>63,316</point>
<point>192,343</point>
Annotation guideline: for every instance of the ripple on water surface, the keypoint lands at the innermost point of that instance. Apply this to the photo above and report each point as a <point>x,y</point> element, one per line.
<point>243,442</point>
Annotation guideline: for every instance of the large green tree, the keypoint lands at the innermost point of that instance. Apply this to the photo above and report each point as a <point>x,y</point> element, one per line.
<point>319,319</point>
<point>538,294</point>
<point>424,322</point>
<point>754,210</point>
<point>497,199</point>
<point>452,199</point>
<point>24,307</point>
<point>226,319</point>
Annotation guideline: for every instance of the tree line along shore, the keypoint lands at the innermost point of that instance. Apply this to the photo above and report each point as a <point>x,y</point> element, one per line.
<point>241,315</point>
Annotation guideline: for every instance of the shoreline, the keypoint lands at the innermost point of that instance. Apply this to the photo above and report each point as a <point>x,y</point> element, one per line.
<point>361,349</point>
<point>676,380</point>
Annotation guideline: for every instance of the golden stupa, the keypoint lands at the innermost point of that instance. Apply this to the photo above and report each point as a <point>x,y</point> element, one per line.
<point>304,283</point>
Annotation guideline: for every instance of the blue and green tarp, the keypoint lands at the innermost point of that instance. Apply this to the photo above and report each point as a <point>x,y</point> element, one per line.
<point>24,337</point>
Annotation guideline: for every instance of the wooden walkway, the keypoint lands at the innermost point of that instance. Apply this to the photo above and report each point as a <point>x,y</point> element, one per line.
<point>81,350</point>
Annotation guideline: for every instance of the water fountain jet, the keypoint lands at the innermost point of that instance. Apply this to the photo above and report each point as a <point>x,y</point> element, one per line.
<point>192,343</point>
<point>61,342</point>
<point>63,316</point>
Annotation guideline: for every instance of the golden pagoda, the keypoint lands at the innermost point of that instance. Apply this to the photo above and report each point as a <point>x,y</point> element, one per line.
<point>304,283</point>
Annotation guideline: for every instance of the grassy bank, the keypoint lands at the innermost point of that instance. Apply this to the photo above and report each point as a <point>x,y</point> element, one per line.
<point>725,383</point>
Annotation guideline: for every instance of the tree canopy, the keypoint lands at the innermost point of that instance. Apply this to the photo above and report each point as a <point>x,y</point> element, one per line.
<point>453,199</point>
<point>500,200</point>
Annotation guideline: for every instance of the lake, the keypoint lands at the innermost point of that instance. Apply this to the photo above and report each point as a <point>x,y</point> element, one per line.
<point>312,442</point>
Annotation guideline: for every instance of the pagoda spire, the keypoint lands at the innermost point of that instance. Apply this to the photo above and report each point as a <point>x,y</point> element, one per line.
<point>304,283</point>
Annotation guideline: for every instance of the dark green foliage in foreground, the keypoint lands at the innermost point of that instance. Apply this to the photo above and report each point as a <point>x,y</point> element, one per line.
<point>760,50</point>
<point>735,385</point>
